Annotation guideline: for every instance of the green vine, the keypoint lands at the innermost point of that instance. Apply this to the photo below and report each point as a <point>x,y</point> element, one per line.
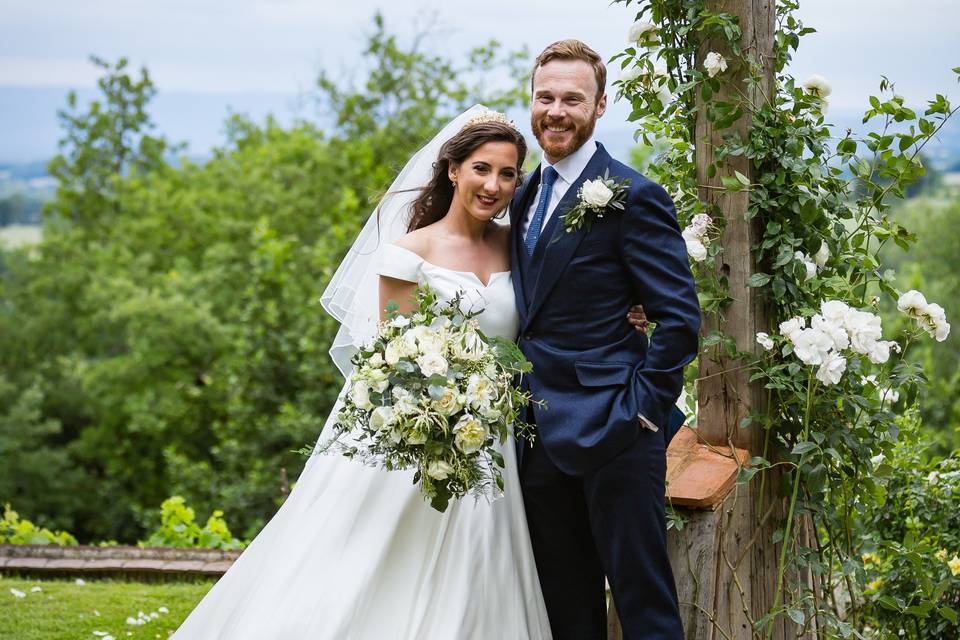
<point>821,199</point>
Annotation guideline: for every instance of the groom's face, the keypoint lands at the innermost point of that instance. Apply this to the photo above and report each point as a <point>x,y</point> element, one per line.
<point>565,106</point>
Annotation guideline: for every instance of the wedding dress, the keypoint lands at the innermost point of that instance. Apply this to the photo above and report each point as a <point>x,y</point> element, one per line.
<point>356,553</point>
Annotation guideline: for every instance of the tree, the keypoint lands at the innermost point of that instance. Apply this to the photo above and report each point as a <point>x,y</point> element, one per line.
<point>170,317</point>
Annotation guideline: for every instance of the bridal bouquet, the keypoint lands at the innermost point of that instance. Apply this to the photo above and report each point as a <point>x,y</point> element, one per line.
<point>432,393</point>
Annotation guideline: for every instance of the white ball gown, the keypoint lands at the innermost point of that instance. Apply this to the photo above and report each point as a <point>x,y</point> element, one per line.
<point>355,553</point>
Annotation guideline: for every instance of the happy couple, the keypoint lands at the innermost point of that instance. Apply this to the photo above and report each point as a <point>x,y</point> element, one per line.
<point>355,552</point>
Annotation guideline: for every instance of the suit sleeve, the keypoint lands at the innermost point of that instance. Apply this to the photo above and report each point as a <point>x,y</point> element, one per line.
<point>656,257</point>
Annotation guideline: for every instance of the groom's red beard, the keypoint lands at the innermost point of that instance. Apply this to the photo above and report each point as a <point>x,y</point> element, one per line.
<point>581,133</point>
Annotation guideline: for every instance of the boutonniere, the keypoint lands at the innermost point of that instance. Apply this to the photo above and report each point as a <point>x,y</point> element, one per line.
<point>594,199</point>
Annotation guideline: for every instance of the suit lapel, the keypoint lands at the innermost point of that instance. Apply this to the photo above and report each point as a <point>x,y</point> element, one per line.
<point>556,246</point>
<point>520,204</point>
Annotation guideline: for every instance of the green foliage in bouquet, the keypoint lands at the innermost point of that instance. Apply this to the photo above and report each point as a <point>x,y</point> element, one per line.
<point>13,530</point>
<point>431,392</point>
<point>178,528</point>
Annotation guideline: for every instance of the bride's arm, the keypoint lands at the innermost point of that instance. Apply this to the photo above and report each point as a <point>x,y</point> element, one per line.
<point>399,291</point>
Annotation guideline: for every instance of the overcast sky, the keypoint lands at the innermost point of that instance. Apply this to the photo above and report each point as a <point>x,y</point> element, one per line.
<point>277,46</point>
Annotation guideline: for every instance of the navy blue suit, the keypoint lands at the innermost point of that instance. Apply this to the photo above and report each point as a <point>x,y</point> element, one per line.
<point>593,482</point>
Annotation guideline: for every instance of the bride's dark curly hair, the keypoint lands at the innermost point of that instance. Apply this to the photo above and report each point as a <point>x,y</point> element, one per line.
<point>434,200</point>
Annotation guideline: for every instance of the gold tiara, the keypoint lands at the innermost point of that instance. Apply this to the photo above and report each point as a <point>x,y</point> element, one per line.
<point>490,116</point>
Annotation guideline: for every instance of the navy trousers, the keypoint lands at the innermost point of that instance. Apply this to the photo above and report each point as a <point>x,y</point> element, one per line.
<point>609,522</point>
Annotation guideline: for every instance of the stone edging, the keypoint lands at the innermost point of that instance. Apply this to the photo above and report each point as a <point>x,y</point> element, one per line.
<point>116,560</point>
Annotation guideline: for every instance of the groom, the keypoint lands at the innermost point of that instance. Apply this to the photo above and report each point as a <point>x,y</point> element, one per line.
<point>593,482</point>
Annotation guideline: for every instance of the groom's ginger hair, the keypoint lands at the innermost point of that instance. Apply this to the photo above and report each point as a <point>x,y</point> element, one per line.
<point>572,49</point>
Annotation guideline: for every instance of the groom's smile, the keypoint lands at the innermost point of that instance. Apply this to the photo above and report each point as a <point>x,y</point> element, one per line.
<point>565,106</point>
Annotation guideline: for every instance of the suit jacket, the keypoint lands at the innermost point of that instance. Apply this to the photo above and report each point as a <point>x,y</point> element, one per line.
<point>595,372</point>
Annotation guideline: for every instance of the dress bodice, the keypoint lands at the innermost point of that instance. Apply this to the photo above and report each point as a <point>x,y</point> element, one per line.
<point>499,315</point>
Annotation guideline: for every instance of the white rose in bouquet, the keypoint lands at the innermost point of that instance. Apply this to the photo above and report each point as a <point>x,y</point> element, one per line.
<point>360,393</point>
<point>400,347</point>
<point>381,417</point>
<point>432,364</point>
<point>450,403</point>
<point>480,391</point>
<point>700,223</point>
<point>439,470</point>
<point>428,394</point>
<point>469,434</point>
<point>376,378</point>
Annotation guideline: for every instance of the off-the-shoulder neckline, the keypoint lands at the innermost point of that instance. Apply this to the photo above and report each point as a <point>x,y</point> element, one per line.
<point>437,266</point>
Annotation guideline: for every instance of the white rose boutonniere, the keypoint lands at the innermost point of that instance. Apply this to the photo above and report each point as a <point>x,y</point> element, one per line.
<point>594,199</point>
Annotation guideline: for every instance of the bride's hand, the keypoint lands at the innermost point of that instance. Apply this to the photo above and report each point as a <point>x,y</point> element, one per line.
<point>638,318</point>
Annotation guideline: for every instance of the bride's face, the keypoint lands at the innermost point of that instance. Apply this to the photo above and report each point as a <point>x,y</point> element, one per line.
<point>486,180</point>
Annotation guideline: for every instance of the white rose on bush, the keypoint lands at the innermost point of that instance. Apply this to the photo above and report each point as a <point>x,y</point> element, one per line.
<point>789,328</point>
<point>765,341</point>
<point>630,74</point>
<point>930,316</point>
<point>595,193</point>
<point>642,32</point>
<point>818,86</point>
<point>832,368</point>
<point>714,63</point>
<point>838,327</point>
<point>809,265</point>
<point>695,236</point>
<point>913,304</point>
<point>811,345</point>
<point>696,250</point>
<point>822,255</point>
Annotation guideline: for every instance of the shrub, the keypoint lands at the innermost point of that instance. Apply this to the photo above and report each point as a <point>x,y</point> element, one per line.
<point>178,528</point>
<point>13,530</point>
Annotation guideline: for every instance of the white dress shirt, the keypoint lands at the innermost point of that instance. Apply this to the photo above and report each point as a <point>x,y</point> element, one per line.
<point>568,170</point>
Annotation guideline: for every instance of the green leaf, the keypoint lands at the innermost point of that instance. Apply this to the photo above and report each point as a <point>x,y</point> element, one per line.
<point>796,615</point>
<point>948,613</point>
<point>744,180</point>
<point>803,447</point>
<point>759,279</point>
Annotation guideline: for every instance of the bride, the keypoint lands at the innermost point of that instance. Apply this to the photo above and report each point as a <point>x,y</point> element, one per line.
<point>355,552</point>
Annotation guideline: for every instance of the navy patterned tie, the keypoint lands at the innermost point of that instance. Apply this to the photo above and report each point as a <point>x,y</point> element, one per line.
<point>546,188</point>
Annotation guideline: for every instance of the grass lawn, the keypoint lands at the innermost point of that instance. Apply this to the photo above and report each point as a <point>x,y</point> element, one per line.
<point>63,610</point>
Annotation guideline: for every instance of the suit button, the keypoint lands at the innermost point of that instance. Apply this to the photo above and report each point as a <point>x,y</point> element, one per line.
<point>528,336</point>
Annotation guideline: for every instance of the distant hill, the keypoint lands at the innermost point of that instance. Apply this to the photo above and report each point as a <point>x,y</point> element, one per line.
<point>29,129</point>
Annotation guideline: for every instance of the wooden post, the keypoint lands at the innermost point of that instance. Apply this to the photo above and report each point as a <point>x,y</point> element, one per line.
<point>724,560</point>
<point>744,563</point>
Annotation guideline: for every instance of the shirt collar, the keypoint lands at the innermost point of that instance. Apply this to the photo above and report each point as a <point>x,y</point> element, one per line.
<point>572,166</point>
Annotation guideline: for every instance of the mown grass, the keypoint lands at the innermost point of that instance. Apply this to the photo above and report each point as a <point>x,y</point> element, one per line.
<point>64,610</point>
